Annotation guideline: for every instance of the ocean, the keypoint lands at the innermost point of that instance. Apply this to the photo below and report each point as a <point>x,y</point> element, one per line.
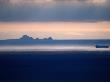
<point>52,48</point>
<point>54,64</point>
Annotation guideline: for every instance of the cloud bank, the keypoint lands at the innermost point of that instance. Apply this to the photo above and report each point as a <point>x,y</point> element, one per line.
<point>52,1</point>
<point>55,10</point>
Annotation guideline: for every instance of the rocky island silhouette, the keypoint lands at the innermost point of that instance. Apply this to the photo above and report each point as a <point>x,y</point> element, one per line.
<point>26,37</point>
<point>28,40</point>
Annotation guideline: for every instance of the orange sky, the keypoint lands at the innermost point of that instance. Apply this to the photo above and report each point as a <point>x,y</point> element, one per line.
<point>58,30</point>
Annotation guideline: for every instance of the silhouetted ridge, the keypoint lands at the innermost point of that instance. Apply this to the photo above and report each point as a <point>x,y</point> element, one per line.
<point>28,40</point>
<point>50,38</point>
<point>26,37</point>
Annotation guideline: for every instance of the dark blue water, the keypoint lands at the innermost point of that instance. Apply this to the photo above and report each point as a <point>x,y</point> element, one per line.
<point>55,66</point>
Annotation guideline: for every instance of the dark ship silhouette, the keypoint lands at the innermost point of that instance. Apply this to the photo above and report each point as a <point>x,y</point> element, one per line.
<point>102,46</point>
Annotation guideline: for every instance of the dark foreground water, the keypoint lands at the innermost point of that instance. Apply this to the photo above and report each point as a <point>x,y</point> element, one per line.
<point>55,66</point>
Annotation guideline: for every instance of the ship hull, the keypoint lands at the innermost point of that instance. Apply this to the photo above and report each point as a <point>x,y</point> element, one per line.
<point>102,46</point>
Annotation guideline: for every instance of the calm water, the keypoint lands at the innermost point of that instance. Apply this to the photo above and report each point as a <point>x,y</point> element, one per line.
<point>55,66</point>
<point>52,48</point>
<point>54,63</point>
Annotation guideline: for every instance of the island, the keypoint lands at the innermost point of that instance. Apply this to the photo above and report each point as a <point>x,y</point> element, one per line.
<point>28,40</point>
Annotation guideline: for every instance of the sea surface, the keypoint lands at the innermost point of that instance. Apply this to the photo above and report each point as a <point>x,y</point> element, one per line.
<point>54,64</point>
<point>53,48</point>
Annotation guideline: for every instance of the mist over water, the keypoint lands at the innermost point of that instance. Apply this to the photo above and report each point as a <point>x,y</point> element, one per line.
<point>52,48</point>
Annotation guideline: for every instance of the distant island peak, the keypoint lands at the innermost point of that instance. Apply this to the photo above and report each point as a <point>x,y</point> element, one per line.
<point>26,37</point>
<point>28,40</point>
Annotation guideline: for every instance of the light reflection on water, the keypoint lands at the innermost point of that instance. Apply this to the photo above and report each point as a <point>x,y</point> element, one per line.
<point>52,48</point>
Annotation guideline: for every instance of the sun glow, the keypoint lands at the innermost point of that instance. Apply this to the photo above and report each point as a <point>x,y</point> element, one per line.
<point>14,2</point>
<point>58,30</point>
<point>97,2</point>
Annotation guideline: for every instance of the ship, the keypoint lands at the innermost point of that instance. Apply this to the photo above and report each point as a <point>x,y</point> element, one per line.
<point>102,46</point>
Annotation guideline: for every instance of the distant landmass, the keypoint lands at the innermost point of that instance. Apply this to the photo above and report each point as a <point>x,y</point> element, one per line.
<point>27,40</point>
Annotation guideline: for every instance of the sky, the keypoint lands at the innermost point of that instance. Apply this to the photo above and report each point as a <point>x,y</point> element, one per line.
<point>61,19</point>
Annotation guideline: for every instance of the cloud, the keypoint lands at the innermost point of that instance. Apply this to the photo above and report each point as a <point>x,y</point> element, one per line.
<point>82,11</point>
<point>45,1</point>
